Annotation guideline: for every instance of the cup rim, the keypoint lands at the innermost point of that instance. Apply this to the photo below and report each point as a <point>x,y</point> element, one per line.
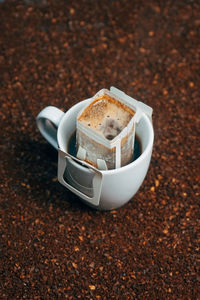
<point>121,169</point>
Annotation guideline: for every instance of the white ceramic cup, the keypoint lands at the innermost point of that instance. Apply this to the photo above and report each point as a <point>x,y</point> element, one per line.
<point>104,190</point>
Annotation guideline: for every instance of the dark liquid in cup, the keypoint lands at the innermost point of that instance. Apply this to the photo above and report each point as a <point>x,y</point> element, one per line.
<point>72,146</point>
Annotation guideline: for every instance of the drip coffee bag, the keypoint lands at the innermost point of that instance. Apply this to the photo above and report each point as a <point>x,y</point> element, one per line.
<point>105,129</point>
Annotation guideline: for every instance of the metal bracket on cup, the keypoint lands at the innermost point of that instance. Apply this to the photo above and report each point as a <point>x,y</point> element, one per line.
<point>97,180</point>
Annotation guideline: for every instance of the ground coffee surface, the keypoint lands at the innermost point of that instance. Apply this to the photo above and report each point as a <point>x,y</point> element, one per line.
<point>58,53</point>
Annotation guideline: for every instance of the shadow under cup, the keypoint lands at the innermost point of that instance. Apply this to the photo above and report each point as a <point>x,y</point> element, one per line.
<point>81,177</point>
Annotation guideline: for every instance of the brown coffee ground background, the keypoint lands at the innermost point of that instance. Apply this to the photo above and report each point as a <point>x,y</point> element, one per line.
<point>58,53</point>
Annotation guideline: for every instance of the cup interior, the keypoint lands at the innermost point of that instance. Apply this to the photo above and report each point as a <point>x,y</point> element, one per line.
<point>144,131</point>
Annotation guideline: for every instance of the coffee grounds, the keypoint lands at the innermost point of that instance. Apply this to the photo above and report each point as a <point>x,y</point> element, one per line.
<point>110,128</point>
<point>52,246</point>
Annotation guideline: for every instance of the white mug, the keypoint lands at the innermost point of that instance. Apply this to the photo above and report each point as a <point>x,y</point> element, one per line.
<point>103,190</point>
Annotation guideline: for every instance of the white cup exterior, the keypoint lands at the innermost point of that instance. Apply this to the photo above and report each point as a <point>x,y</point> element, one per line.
<point>118,185</point>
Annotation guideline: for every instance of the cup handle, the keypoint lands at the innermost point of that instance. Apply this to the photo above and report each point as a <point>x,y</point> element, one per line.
<point>47,122</point>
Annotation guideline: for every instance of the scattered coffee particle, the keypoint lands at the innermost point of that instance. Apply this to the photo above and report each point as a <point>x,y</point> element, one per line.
<point>92,287</point>
<point>191,84</point>
<point>151,33</point>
